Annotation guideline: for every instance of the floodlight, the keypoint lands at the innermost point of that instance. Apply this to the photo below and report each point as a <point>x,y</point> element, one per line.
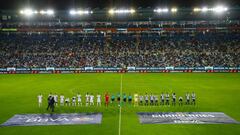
<point>162,10</point>
<point>72,12</point>
<point>217,9</point>
<point>220,9</point>
<point>80,12</point>
<point>111,11</point>
<point>121,11</point>
<point>47,12</point>
<point>196,9</point>
<point>28,12</point>
<point>50,12</point>
<point>174,10</point>
<point>42,12</point>
<point>204,9</point>
<point>35,12</point>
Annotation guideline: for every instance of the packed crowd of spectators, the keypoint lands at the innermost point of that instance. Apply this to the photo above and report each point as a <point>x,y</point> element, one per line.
<point>119,50</point>
<point>146,24</point>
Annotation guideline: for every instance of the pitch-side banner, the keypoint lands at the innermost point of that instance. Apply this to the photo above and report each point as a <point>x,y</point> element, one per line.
<point>185,118</point>
<point>54,119</point>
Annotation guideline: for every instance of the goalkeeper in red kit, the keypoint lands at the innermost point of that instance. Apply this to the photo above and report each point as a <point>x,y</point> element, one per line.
<point>106,99</point>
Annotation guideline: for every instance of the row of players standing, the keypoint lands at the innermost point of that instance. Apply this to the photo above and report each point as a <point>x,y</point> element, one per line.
<point>190,99</point>
<point>146,99</point>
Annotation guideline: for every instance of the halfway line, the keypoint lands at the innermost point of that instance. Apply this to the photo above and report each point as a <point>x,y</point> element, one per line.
<point>120,109</point>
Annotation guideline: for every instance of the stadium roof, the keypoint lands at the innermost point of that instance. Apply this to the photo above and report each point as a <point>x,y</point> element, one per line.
<point>67,4</point>
<point>108,10</point>
<point>138,14</point>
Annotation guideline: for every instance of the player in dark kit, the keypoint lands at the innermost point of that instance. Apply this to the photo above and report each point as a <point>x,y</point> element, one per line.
<point>173,99</point>
<point>112,98</point>
<point>141,100</point>
<point>162,99</point>
<point>124,98</point>
<point>167,99</point>
<point>146,99</point>
<point>193,98</point>
<point>118,98</point>
<point>151,99</point>
<point>155,100</point>
<point>130,98</point>
<point>180,101</point>
<point>49,100</point>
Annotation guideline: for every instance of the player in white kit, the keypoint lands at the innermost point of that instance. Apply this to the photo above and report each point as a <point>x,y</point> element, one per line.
<point>61,100</point>
<point>67,102</point>
<point>79,99</point>
<point>55,99</point>
<point>87,99</point>
<point>91,100</point>
<point>187,98</point>
<point>40,100</point>
<point>98,99</point>
<point>74,101</point>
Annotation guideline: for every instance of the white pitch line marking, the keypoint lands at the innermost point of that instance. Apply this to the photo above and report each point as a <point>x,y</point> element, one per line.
<point>120,110</point>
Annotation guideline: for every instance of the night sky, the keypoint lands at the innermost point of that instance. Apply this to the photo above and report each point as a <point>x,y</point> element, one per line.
<point>68,4</point>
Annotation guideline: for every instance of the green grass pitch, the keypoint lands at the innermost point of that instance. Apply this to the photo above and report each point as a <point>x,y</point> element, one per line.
<point>216,92</point>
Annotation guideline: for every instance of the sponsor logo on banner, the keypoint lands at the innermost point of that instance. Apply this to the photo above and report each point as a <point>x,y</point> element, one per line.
<point>54,119</point>
<point>11,69</point>
<point>169,68</point>
<point>185,118</point>
<point>208,68</point>
<point>88,68</point>
<point>50,68</point>
<point>131,68</point>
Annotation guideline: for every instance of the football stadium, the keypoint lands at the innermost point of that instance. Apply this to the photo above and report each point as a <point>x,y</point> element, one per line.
<point>120,67</point>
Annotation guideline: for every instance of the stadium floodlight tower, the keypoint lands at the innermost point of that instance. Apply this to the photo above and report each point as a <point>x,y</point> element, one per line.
<point>80,12</point>
<point>121,11</point>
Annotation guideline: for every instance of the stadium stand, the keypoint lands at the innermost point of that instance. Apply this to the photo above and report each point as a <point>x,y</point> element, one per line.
<point>150,49</point>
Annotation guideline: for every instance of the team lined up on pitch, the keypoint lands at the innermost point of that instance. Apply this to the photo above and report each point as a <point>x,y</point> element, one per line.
<point>139,100</point>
